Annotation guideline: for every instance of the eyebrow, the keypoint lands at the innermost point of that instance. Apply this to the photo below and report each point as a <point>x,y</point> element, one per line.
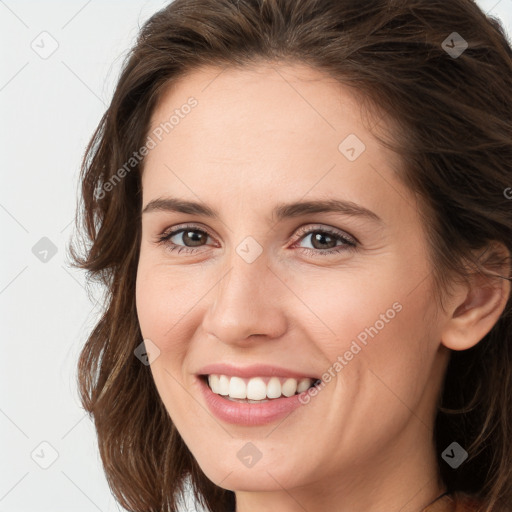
<point>280,212</point>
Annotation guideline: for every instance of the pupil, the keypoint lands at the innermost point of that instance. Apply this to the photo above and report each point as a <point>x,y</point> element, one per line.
<point>195,235</point>
<point>320,236</point>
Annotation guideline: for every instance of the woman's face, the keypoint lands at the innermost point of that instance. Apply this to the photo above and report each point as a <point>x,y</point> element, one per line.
<point>341,292</point>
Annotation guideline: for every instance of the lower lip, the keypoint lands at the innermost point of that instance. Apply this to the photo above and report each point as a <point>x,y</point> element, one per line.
<point>240,413</point>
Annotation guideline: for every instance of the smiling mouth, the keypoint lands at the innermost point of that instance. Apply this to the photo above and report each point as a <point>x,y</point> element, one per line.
<point>257,389</point>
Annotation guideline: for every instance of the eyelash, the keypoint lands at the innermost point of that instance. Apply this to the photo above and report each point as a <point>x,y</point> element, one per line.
<point>349,243</point>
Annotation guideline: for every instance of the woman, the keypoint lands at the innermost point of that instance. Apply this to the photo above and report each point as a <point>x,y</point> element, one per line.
<point>301,211</point>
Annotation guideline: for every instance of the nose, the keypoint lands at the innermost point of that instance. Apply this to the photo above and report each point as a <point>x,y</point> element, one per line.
<point>250,300</point>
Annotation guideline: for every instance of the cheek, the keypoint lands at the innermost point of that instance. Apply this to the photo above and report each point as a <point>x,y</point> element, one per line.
<point>164,296</point>
<point>396,355</point>
<point>163,302</point>
<point>348,306</point>
<point>376,325</point>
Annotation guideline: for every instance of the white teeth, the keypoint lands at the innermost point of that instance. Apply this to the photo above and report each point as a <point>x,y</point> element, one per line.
<point>223,385</point>
<point>274,388</point>
<point>289,387</point>
<point>237,388</point>
<point>303,385</point>
<point>213,380</point>
<point>257,388</point>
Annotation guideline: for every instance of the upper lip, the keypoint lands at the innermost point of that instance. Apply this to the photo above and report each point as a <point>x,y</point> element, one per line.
<point>254,370</point>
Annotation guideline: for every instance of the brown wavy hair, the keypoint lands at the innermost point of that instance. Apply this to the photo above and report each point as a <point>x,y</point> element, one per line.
<point>452,127</point>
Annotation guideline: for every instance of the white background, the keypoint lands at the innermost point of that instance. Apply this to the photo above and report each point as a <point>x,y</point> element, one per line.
<point>49,110</point>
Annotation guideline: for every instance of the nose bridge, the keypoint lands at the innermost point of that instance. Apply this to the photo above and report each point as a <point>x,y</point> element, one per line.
<point>246,280</point>
<point>247,298</point>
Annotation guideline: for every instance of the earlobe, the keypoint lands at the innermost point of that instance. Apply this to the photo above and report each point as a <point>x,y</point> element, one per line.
<point>476,309</point>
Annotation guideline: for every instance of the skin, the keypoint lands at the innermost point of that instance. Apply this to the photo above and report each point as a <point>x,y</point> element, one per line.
<point>257,137</point>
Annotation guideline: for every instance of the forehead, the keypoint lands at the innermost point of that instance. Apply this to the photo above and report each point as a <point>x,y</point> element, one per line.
<point>262,129</point>
<point>274,96</point>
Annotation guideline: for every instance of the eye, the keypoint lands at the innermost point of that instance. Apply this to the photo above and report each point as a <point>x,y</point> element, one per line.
<point>189,235</point>
<point>324,241</point>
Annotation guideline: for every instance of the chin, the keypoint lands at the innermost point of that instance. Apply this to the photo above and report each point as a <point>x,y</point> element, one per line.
<point>236,477</point>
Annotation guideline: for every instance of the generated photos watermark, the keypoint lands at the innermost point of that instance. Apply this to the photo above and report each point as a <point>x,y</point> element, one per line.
<point>349,354</point>
<point>152,141</point>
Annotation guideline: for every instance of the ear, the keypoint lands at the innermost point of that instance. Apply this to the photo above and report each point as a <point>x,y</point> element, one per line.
<point>476,307</point>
